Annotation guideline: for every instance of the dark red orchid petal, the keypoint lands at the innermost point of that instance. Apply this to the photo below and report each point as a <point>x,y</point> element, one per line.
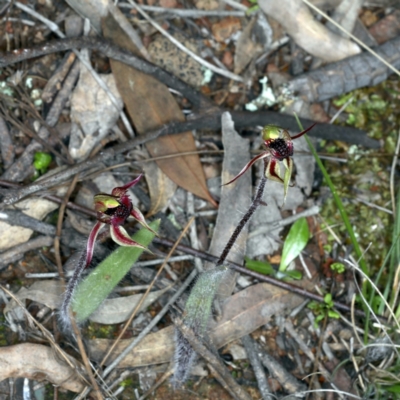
<point>247,166</point>
<point>303,132</point>
<point>91,242</point>
<point>121,190</point>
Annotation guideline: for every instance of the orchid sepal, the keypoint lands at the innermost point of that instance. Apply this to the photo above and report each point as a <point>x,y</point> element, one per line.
<point>138,216</point>
<point>121,190</point>
<point>247,166</point>
<point>271,132</point>
<point>303,132</point>
<point>121,237</point>
<point>91,242</point>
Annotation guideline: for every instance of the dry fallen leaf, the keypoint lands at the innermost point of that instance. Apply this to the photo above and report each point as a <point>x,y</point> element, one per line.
<point>46,292</point>
<point>92,113</point>
<point>118,310</point>
<point>242,314</point>
<point>160,187</point>
<point>250,44</point>
<point>225,28</point>
<point>235,200</point>
<point>150,105</point>
<point>112,311</point>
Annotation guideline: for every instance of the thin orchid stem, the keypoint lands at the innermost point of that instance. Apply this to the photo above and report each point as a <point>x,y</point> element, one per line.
<point>254,205</point>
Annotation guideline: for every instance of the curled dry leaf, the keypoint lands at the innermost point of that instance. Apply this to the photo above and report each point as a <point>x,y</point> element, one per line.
<point>307,32</point>
<point>38,362</point>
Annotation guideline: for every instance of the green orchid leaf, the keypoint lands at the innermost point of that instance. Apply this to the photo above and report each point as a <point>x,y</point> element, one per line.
<point>262,267</point>
<point>295,242</point>
<point>95,288</point>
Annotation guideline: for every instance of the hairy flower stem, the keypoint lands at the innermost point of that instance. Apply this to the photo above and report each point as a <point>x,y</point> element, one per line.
<point>254,205</point>
<point>72,284</point>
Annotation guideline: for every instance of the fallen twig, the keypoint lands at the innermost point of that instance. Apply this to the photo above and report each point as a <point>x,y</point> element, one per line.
<point>259,372</point>
<point>346,75</point>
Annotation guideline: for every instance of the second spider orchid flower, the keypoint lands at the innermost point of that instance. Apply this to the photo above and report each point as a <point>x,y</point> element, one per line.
<point>279,146</point>
<point>113,210</point>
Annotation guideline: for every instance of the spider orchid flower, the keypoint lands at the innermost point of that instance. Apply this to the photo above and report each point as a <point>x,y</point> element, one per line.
<point>279,150</point>
<point>114,209</point>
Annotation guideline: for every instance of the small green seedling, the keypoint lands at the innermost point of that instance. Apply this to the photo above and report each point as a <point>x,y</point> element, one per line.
<point>324,309</point>
<point>338,267</point>
<point>41,162</point>
<point>253,8</point>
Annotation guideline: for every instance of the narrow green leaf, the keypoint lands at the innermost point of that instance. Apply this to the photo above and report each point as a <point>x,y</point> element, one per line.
<point>262,267</point>
<point>93,290</point>
<point>328,299</point>
<point>333,314</point>
<point>294,274</point>
<point>295,242</point>
<point>393,389</point>
<point>349,228</point>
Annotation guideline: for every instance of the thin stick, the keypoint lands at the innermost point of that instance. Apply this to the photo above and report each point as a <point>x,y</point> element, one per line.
<point>258,369</point>
<point>85,359</point>
<point>186,13</point>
